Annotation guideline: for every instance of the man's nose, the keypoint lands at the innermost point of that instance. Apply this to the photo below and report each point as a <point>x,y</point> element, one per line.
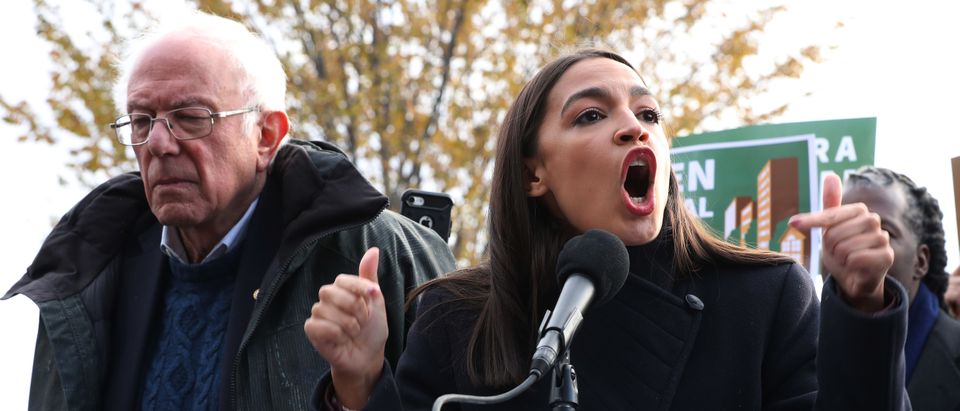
<point>160,140</point>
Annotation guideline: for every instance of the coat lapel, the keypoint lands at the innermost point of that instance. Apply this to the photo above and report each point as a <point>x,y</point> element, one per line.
<point>643,328</point>
<point>259,247</point>
<point>137,305</point>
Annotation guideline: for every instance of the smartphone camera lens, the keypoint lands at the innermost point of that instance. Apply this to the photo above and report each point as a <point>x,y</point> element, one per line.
<point>415,201</point>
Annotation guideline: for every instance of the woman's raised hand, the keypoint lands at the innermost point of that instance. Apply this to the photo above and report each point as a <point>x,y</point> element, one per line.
<point>856,251</point>
<point>348,327</point>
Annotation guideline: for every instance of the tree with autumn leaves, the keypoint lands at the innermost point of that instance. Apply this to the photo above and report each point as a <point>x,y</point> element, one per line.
<point>413,91</point>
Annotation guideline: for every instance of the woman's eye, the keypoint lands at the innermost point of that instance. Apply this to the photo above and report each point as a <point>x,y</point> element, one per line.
<point>589,117</point>
<point>650,116</point>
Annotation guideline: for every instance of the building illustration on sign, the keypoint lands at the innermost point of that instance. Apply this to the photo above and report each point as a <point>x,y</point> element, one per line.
<point>796,244</point>
<point>739,215</point>
<point>777,197</point>
<point>776,200</point>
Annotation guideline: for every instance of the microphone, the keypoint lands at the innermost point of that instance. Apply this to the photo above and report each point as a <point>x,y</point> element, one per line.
<point>591,268</point>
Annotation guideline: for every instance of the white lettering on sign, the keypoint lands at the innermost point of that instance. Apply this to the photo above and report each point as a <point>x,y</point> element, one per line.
<point>821,146</point>
<point>698,207</point>
<point>701,175</point>
<point>846,151</point>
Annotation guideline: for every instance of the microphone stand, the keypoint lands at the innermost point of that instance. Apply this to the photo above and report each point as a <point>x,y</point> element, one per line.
<point>564,395</point>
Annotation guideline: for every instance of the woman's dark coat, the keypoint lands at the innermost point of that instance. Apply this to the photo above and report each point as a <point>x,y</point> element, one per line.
<point>751,338</point>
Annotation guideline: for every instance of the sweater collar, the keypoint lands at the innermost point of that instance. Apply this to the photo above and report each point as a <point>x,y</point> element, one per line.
<point>654,261</point>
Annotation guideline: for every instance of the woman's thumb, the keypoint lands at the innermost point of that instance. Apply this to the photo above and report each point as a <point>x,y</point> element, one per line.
<point>832,191</point>
<point>369,263</point>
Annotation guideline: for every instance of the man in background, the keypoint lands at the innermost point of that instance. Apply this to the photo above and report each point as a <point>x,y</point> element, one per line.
<point>914,222</point>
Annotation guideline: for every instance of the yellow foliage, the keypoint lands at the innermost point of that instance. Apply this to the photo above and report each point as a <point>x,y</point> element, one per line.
<point>418,87</point>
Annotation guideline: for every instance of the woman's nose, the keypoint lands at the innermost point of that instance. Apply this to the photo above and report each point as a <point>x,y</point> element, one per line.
<point>631,131</point>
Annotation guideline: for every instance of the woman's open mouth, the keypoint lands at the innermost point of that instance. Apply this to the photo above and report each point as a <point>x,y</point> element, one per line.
<point>637,180</point>
<point>639,170</point>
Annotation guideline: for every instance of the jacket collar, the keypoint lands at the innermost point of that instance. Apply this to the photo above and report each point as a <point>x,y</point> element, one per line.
<point>319,189</point>
<point>85,239</point>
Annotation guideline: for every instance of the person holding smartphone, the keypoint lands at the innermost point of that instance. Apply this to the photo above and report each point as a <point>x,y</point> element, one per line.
<point>699,324</point>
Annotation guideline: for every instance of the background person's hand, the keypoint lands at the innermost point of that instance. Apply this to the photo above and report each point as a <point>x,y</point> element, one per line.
<point>348,327</point>
<point>856,251</point>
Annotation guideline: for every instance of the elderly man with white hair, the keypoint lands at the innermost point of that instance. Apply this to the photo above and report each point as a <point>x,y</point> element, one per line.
<point>186,285</point>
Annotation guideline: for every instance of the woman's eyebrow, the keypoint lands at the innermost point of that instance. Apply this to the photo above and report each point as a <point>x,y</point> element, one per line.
<point>639,91</point>
<point>601,93</point>
<point>590,92</point>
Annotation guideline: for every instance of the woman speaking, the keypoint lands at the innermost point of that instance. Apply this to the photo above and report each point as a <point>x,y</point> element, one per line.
<point>699,324</point>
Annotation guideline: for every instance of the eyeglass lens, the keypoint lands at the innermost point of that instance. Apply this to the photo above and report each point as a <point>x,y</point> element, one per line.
<point>184,124</point>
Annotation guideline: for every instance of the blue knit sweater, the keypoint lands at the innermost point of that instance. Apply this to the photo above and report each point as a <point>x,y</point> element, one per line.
<point>184,370</point>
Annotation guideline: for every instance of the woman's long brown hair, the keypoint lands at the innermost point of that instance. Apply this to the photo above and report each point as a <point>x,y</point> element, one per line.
<point>516,282</point>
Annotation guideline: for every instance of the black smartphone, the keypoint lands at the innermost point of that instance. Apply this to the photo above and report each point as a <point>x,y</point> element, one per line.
<point>428,208</point>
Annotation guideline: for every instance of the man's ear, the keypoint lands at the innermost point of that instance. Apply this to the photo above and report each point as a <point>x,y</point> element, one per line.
<point>273,129</point>
<point>922,263</point>
<point>534,178</point>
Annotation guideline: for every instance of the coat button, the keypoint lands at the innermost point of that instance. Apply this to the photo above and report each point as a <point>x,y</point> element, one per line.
<point>256,293</point>
<point>694,302</point>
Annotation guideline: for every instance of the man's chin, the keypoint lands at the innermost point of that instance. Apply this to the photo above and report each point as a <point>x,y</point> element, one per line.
<point>175,215</point>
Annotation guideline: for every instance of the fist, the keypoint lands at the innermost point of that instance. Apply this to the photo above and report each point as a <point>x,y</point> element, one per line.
<point>348,327</point>
<point>856,251</point>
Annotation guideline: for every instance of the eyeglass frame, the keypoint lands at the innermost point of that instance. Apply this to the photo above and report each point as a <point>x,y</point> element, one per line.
<point>213,117</point>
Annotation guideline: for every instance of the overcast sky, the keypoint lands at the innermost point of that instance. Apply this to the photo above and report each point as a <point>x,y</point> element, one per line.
<point>894,61</point>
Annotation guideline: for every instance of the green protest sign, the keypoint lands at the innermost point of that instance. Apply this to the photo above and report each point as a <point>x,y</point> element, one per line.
<point>747,190</point>
<point>841,146</point>
<point>746,183</point>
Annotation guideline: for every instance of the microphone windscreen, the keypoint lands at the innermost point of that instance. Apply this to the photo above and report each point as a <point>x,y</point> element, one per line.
<point>598,255</point>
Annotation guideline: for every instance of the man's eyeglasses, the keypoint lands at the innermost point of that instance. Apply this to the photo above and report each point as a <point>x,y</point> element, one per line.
<point>186,123</point>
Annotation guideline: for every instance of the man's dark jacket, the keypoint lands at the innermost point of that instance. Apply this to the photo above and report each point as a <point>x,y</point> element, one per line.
<point>935,384</point>
<point>98,281</point>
